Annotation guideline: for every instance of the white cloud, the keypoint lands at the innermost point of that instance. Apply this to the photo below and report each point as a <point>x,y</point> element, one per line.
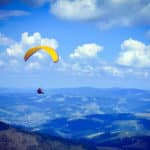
<point>136,72</point>
<point>33,66</point>
<point>39,55</point>
<point>12,13</point>
<point>134,61</point>
<point>37,39</point>
<point>134,53</point>
<point>112,70</point>
<point>63,66</point>
<point>90,68</point>
<point>76,68</point>
<point>75,10</point>
<point>4,40</point>
<point>86,51</point>
<point>105,13</point>
<point>15,50</point>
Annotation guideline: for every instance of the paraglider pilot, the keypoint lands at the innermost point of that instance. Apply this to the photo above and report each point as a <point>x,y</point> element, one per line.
<point>40,91</point>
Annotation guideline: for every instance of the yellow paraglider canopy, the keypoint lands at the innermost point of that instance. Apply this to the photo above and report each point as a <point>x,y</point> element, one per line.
<point>49,50</point>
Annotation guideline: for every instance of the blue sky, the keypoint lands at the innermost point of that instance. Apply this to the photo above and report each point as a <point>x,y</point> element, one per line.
<point>100,43</point>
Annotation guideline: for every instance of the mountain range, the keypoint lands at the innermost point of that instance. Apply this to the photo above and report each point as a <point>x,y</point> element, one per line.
<point>96,118</point>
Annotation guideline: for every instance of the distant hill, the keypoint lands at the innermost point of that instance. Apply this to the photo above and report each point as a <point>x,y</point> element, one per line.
<point>90,91</point>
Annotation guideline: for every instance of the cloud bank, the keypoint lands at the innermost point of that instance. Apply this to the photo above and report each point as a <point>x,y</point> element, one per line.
<point>105,13</point>
<point>133,57</point>
<point>89,50</point>
<point>134,53</point>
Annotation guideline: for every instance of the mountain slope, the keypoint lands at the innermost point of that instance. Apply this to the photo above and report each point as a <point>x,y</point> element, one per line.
<point>16,139</point>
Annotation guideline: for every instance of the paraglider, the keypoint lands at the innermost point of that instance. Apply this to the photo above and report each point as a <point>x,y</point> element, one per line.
<point>47,49</point>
